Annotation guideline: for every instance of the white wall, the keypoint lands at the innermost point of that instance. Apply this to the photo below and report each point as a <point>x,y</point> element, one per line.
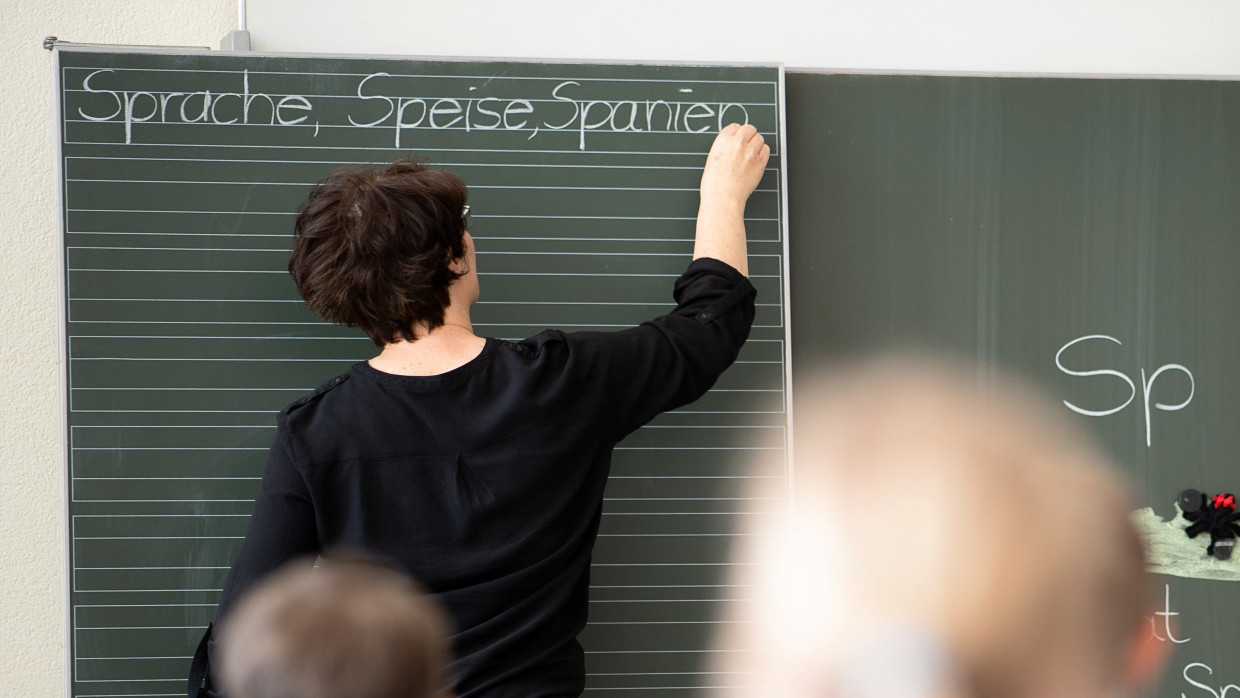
<point>33,621</point>
<point>1179,37</point>
<point>1121,36</point>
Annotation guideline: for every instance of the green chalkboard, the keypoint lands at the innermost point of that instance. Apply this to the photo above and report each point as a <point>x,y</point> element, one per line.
<point>1059,228</point>
<point>181,176</point>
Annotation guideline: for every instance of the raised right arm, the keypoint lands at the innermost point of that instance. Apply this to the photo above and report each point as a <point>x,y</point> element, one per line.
<point>734,166</point>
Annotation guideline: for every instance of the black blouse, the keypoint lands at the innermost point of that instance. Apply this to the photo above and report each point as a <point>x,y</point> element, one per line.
<point>485,483</point>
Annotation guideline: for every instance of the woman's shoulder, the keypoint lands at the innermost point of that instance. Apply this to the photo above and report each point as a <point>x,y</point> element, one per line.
<point>317,393</point>
<point>535,347</point>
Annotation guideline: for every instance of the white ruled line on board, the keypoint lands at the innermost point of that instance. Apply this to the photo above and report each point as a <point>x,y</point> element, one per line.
<point>478,187</point>
<point>673,586</point>
<point>167,501</point>
<point>347,359</point>
<point>263,427</point>
<point>472,187</point>
<point>98,659</point>
<point>146,478</point>
<point>527,325</point>
<point>274,411</point>
<point>652,478</point>
<point>106,590</point>
<point>166,449</point>
<point>420,150</point>
<point>310,388</point>
<point>441,83</point>
<point>683,535</point>
<point>484,276</point>
<point>351,162</point>
<point>143,605</point>
<point>137,695</point>
<point>163,567</point>
<point>156,126</point>
<point>701,651</point>
<point>682,499</point>
<point>524,238</point>
<point>481,253</point>
<point>696,477</point>
<point>389,129</point>
<point>179,680</point>
<point>492,215</point>
<point>103,590</point>
<point>672,564</point>
<point>663,673</point>
<point>664,622</point>
<point>159,516</point>
<point>159,537</point>
<point>318,324</point>
<point>431,77</point>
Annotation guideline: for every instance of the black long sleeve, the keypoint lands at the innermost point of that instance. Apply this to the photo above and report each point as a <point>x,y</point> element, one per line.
<point>485,483</point>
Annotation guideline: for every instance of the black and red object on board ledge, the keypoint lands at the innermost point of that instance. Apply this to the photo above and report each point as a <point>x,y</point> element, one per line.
<point>1216,516</point>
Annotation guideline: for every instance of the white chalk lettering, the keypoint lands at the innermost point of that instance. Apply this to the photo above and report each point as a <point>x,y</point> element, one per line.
<point>386,100</point>
<point>295,103</point>
<point>1163,619</point>
<point>87,86</point>
<point>163,103</point>
<point>219,98</point>
<point>135,107</point>
<point>697,112</point>
<point>1147,385</point>
<point>620,127</point>
<point>489,112</point>
<point>555,94</point>
<point>1223,691</point>
<point>485,113</point>
<point>576,109</point>
<point>401,123</point>
<point>249,99</point>
<point>131,116</point>
<point>1100,372</point>
<point>585,120</point>
<point>204,115</point>
<point>517,107</point>
<point>656,115</point>
<point>446,107</point>
<point>650,109</point>
<point>724,119</point>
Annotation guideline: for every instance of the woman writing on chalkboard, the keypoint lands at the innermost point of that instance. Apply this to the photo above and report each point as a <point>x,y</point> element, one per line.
<point>473,464</point>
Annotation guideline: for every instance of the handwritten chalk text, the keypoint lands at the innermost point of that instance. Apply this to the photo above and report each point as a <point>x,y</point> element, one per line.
<point>565,110</point>
<point>1165,620</point>
<point>1197,668</point>
<point>1147,384</point>
<point>576,109</point>
<point>201,107</point>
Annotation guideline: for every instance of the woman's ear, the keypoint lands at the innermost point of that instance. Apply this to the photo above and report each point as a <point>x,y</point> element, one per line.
<point>460,265</point>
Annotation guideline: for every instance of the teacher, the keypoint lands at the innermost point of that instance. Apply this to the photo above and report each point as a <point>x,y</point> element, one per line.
<point>477,465</point>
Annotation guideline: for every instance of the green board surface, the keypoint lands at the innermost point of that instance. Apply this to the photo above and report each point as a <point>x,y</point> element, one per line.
<point>181,176</point>
<point>1059,228</point>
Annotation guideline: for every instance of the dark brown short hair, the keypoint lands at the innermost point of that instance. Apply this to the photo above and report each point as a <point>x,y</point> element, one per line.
<point>373,247</point>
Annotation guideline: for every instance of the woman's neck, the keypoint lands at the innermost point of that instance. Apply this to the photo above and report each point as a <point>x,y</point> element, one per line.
<point>432,352</point>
